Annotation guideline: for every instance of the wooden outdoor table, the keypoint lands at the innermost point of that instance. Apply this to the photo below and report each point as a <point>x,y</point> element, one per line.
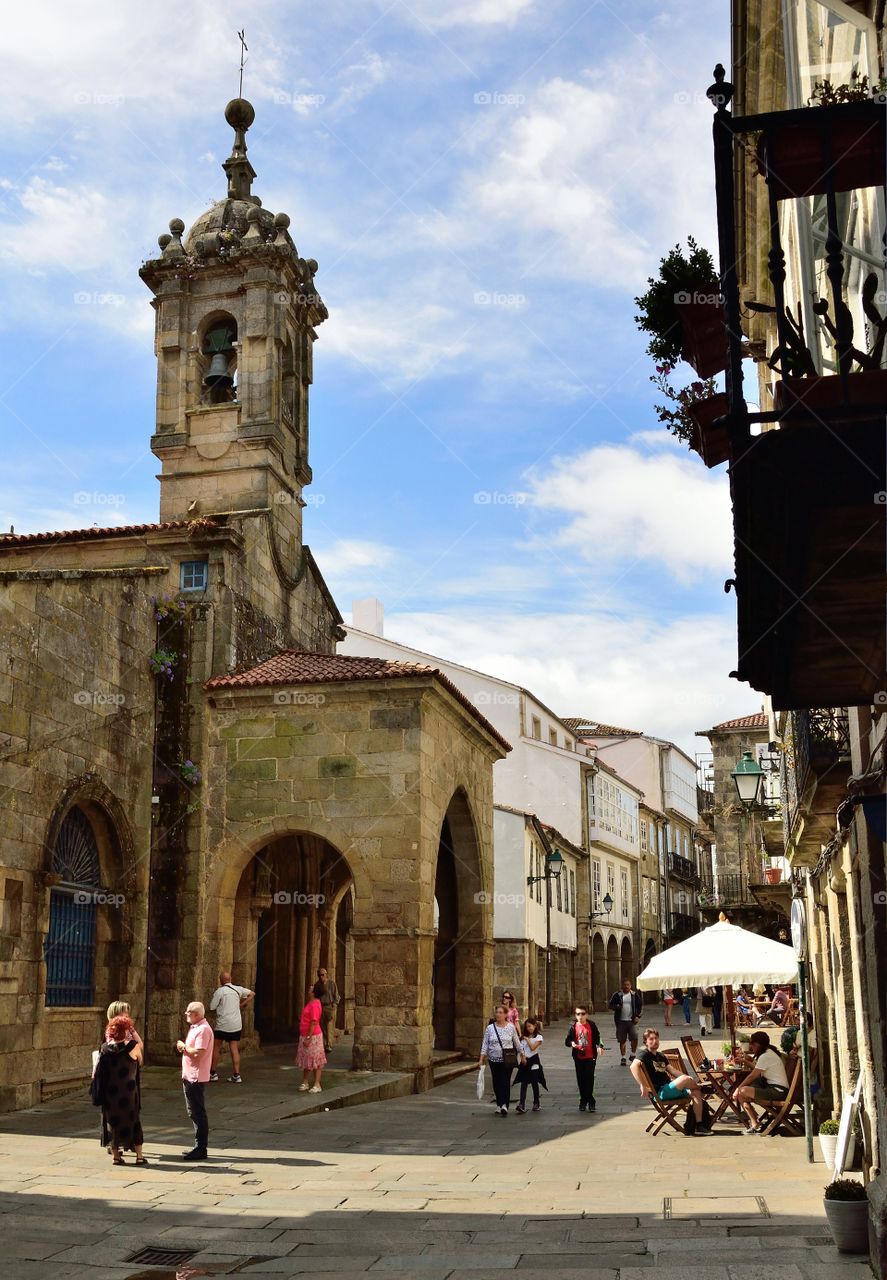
<point>723,1080</point>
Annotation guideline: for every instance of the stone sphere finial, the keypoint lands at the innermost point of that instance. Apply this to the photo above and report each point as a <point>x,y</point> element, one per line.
<point>176,226</point>
<point>253,214</point>
<point>240,114</point>
<point>282,220</point>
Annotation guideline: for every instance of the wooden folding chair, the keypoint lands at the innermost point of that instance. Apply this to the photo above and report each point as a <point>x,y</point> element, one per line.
<point>674,1059</point>
<point>777,1111</point>
<point>665,1111</point>
<point>695,1055</point>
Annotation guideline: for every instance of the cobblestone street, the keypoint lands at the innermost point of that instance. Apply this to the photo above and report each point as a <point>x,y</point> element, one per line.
<point>433,1186</point>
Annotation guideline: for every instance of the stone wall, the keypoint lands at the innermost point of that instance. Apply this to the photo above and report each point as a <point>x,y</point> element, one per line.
<point>76,719</point>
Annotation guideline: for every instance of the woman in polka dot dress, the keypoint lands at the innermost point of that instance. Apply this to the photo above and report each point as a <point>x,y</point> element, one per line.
<point>119,1062</point>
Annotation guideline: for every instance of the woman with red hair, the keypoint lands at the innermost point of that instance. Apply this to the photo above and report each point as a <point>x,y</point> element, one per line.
<point>117,1087</point>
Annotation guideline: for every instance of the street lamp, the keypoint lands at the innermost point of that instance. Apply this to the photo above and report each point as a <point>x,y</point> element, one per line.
<point>554,865</point>
<point>748,777</point>
<point>607,904</point>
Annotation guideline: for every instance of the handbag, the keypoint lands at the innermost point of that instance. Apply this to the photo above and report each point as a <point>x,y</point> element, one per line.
<point>479,1087</point>
<point>509,1055</point>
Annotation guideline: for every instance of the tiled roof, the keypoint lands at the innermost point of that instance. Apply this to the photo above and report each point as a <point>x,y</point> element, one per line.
<point>583,727</point>
<point>76,535</point>
<point>295,666</point>
<point>757,721</point>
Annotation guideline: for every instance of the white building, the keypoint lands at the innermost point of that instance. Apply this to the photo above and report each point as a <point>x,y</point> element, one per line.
<point>538,809</point>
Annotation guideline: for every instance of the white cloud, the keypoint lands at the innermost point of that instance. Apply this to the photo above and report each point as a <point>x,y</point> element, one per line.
<point>474,13</point>
<point>342,558</point>
<point>622,504</point>
<point>667,678</point>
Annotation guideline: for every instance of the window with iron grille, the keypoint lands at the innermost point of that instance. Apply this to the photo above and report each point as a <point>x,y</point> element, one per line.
<point>71,941</point>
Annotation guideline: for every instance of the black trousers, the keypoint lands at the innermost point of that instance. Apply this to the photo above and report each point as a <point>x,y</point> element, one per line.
<point>194,1101</point>
<point>501,1082</point>
<point>525,1084</point>
<point>585,1078</point>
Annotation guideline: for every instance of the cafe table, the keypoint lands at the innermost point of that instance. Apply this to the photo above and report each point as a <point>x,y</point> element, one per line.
<point>723,1080</point>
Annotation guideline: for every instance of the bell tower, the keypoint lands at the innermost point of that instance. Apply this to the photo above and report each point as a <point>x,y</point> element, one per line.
<point>236,318</point>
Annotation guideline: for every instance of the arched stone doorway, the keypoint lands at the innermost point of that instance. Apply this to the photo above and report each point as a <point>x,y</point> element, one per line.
<point>626,962</point>
<point>292,899</point>
<point>459,999</point>
<point>600,993</point>
<point>614,971</point>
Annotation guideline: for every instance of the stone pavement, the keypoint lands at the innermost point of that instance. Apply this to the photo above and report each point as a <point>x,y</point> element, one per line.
<point>432,1186</point>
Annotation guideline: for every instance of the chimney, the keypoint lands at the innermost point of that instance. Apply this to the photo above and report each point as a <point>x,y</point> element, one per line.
<point>368,615</point>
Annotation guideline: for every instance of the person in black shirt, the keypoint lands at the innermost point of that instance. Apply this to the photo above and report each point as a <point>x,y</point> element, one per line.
<point>668,1082</point>
<point>584,1039</point>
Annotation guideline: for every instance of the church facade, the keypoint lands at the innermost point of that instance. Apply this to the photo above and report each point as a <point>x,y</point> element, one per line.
<point>191,777</point>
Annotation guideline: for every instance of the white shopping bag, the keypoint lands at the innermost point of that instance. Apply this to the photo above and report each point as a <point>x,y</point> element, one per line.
<point>480,1084</point>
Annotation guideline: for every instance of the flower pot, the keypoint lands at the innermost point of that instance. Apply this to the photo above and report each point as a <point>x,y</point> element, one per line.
<point>827,1145</point>
<point>711,442</point>
<point>808,397</point>
<point>773,875</point>
<point>848,1222</point>
<point>839,147</point>
<point>705,334</point>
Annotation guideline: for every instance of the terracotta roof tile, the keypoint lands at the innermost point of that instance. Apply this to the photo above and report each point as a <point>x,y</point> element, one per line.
<point>76,535</point>
<point>295,666</point>
<point>582,727</point>
<point>756,721</point>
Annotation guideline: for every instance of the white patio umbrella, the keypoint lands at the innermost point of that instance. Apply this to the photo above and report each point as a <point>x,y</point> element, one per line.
<point>721,955</point>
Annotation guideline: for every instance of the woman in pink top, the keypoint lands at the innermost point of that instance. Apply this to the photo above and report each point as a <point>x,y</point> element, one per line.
<point>310,1055</point>
<point>511,1009</point>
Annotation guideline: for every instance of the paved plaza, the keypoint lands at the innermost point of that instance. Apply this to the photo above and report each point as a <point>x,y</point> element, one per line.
<point>433,1186</point>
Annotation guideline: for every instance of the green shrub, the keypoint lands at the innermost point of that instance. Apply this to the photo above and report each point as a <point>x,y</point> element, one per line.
<point>829,1128</point>
<point>845,1189</point>
<point>658,307</point>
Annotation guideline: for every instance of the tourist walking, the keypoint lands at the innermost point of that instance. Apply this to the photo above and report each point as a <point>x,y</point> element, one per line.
<point>227,1003</point>
<point>310,1054</point>
<point>718,1007</point>
<point>197,1053</point>
<point>512,1012</point>
<point>705,1000</point>
<point>627,1006</point>
<point>328,994</point>
<point>530,1072</point>
<point>584,1039</point>
<point>116,1085</point>
<point>686,1004</point>
<point>668,1000</point>
<point>501,1047</point>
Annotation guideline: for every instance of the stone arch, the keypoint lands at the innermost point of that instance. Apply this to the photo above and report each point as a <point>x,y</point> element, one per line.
<point>464,925</point>
<point>599,987</point>
<point>614,969</point>
<point>626,962</point>
<point>113,921</point>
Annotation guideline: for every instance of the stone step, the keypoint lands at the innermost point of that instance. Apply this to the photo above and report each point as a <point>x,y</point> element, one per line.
<point>451,1069</point>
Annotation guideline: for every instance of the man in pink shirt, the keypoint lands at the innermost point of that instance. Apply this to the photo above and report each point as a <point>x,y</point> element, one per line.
<point>197,1052</point>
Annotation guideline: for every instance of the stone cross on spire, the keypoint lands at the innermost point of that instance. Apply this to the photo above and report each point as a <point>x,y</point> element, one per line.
<point>240,114</point>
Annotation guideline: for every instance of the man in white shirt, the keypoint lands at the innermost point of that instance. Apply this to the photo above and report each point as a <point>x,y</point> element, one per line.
<point>768,1078</point>
<point>227,1004</point>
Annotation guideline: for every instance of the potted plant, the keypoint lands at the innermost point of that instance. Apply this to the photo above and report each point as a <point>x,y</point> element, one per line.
<point>773,872</point>
<point>837,141</point>
<point>693,414</point>
<point>683,312</point>
<point>846,1208</point>
<point>828,1138</point>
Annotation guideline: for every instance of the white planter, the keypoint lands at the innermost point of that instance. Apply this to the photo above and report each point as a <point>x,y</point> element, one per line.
<point>827,1144</point>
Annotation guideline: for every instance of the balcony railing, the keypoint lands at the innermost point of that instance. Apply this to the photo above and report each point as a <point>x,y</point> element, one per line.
<point>730,889</point>
<point>682,868</point>
<point>682,926</point>
<point>809,548</point>
<point>814,743</point>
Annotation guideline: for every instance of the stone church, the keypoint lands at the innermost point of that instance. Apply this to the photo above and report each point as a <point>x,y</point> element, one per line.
<point>190,776</point>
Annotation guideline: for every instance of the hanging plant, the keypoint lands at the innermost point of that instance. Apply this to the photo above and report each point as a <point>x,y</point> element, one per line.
<point>169,607</point>
<point>189,773</point>
<point>677,416</point>
<point>162,662</point>
<point>682,279</point>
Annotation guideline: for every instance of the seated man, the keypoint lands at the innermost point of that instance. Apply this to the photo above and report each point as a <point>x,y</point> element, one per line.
<point>779,1006</point>
<point>668,1082</point>
<point>767,1080</point>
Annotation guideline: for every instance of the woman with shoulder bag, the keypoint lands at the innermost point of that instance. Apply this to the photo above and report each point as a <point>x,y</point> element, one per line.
<point>501,1047</point>
<point>116,1089</point>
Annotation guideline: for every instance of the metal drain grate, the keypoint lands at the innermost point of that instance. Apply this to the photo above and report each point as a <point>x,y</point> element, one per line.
<point>162,1257</point>
<point>715,1207</point>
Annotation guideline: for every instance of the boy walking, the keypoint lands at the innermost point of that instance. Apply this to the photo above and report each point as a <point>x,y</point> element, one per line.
<point>584,1039</point>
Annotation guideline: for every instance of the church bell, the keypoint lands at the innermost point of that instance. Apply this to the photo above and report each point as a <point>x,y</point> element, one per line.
<point>218,346</point>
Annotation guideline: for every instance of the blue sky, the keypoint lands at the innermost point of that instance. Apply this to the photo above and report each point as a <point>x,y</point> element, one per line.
<point>486,186</point>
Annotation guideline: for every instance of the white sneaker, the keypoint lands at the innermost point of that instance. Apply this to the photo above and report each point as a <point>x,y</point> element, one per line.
<point>315,1088</point>
<point>303,1087</point>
